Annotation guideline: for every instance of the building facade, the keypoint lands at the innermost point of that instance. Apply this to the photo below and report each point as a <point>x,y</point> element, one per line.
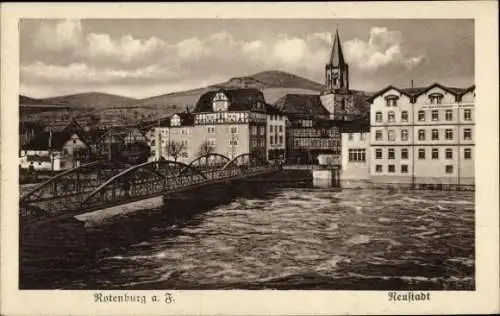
<point>355,170</point>
<point>422,135</point>
<point>53,151</point>
<point>229,122</point>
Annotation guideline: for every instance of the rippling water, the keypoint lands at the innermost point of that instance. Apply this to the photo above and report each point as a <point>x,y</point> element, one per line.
<point>288,238</point>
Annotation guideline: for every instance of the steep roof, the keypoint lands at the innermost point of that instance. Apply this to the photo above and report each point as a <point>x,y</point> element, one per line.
<point>416,91</point>
<point>41,140</point>
<point>308,104</point>
<point>240,99</point>
<point>336,55</point>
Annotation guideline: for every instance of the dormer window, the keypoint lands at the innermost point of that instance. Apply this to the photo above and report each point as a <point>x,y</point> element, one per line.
<point>391,100</point>
<point>220,102</point>
<point>435,98</point>
<point>175,121</point>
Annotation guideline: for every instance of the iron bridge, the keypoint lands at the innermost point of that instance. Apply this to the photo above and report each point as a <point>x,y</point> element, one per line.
<point>103,184</point>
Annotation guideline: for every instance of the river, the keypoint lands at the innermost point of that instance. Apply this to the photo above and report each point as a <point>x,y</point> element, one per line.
<point>269,237</point>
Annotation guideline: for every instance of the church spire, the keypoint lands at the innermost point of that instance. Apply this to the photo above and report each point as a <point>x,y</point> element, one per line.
<point>336,56</point>
<point>337,70</point>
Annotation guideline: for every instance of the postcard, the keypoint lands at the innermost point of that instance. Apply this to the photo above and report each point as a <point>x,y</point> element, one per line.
<point>249,158</point>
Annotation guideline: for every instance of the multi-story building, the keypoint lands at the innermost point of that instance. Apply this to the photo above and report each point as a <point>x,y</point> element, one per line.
<point>314,120</point>
<point>355,164</point>
<point>422,135</point>
<point>225,121</point>
<point>276,130</point>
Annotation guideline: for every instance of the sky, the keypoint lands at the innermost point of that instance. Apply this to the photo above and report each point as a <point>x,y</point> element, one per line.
<point>147,57</point>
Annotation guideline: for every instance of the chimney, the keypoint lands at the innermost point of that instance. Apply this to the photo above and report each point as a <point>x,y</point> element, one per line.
<point>412,83</point>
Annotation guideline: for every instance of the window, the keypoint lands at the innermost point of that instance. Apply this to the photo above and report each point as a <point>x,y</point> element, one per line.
<point>253,130</point>
<point>404,168</point>
<point>392,169</point>
<point>404,116</point>
<point>435,134</point>
<point>449,169</point>
<point>378,153</point>
<point>467,115</point>
<point>467,134</point>
<point>233,142</point>
<point>362,136</point>
<point>271,139</point>
<point>421,134</point>
<point>448,134</point>
<point>378,135</point>
<point>357,155</point>
<point>421,153</point>
<point>448,153</point>
<point>378,117</point>
<point>378,168</point>
<point>435,115</point>
<point>280,137</point>
<point>234,129</point>
<point>211,142</point>
<point>270,128</point>
<point>404,134</point>
<point>281,128</point>
<point>435,153</point>
<point>421,116</point>
<point>262,130</point>
<point>350,137</point>
<point>184,131</point>
<point>404,153</point>
<point>449,115</point>
<point>436,98</point>
<point>391,100</point>
<point>391,116</point>
<point>391,135</point>
<point>390,153</point>
<point>467,153</point>
<point>211,129</point>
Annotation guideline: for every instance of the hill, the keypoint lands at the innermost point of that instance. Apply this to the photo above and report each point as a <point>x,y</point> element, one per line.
<point>82,100</point>
<point>274,84</point>
<point>24,100</point>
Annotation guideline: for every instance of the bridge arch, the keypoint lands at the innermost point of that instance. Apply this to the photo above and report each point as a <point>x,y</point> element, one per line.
<point>246,160</point>
<point>67,189</point>
<point>212,162</point>
<point>143,180</point>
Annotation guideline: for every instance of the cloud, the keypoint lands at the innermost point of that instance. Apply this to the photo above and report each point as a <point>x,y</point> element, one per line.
<point>126,49</point>
<point>382,49</point>
<point>67,53</point>
<point>61,35</point>
<point>83,73</point>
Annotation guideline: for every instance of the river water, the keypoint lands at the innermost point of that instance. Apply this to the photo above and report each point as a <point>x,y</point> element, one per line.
<point>269,237</point>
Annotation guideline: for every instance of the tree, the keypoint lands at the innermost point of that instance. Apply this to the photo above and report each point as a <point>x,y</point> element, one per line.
<point>206,149</point>
<point>174,148</point>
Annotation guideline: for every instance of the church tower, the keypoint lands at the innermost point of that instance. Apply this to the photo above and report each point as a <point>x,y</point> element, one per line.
<point>336,97</point>
<point>337,70</point>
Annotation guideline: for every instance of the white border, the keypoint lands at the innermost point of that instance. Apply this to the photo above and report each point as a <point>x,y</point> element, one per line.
<point>484,300</point>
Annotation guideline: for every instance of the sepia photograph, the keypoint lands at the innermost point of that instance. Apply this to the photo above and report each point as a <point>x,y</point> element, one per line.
<point>161,158</point>
<point>247,154</point>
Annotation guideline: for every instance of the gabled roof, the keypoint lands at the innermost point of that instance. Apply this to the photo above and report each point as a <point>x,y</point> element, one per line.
<point>469,89</point>
<point>336,55</point>
<point>57,139</point>
<point>64,125</point>
<point>417,91</point>
<point>271,109</point>
<point>240,99</point>
<point>308,104</point>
